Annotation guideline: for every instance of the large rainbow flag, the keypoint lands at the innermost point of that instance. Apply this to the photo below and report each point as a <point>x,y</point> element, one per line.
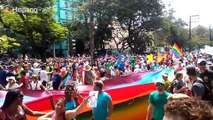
<point>177,51</point>
<point>124,90</point>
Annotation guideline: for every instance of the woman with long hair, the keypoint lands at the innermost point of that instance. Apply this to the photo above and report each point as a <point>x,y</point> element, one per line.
<point>179,85</point>
<point>13,107</point>
<point>60,113</point>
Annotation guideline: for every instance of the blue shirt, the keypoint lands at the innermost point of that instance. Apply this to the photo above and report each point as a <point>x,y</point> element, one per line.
<point>70,105</point>
<point>3,75</point>
<point>122,66</point>
<point>101,111</point>
<point>56,81</point>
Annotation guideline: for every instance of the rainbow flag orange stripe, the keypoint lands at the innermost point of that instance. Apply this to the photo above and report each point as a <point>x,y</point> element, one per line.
<point>177,51</point>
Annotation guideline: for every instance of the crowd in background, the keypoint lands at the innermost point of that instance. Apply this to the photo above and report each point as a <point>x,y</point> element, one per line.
<point>192,77</point>
<point>56,72</point>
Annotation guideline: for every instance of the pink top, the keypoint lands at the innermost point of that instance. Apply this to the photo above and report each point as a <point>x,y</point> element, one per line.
<point>62,117</point>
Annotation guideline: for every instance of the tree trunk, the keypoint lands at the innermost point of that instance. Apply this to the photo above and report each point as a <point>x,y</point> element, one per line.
<point>43,49</point>
<point>43,56</point>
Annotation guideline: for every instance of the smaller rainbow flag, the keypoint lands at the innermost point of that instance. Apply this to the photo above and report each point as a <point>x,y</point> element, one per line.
<point>191,55</point>
<point>177,51</point>
<point>159,58</point>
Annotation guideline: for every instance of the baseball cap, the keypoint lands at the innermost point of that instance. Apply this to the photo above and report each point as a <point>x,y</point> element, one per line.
<point>159,82</point>
<point>201,62</point>
<point>165,74</point>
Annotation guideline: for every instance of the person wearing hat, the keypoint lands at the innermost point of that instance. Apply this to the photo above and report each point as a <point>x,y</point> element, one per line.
<point>157,100</point>
<point>88,75</point>
<point>11,83</point>
<point>197,89</point>
<point>11,71</point>
<point>35,84</point>
<point>165,78</point>
<point>205,74</point>
<point>104,107</point>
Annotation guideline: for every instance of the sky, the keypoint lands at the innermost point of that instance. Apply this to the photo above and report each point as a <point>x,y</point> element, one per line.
<point>185,8</point>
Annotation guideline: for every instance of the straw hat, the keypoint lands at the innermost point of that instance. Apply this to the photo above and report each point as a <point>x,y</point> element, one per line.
<point>87,68</point>
<point>34,76</point>
<point>11,78</point>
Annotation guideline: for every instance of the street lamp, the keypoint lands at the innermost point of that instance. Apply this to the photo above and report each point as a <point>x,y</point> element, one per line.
<point>192,18</point>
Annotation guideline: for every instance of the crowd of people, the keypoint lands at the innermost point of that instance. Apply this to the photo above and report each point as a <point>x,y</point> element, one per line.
<point>189,96</point>
<point>193,77</point>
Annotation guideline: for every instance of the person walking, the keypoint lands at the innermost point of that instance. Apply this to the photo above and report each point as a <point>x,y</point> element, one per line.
<point>198,88</point>
<point>157,100</point>
<point>104,107</point>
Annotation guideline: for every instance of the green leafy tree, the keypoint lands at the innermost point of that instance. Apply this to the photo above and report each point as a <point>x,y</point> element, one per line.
<point>200,37</point>
<point>7,43</point>
<point>39,28</point>
<point>172,31</point>
<point>138,17</point>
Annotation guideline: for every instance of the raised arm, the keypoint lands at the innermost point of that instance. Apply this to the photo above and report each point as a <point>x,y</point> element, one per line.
<point>46,116</point>
<point>72,113</point>
<point>31,112</point>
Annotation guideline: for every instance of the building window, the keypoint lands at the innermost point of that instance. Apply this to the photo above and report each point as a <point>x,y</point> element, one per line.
<point>66,4</point>
<point>66,14</point>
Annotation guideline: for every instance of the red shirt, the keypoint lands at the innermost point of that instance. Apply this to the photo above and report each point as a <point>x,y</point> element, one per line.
<point>23,80</point>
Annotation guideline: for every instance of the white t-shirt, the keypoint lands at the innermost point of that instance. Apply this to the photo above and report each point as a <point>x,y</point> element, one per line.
<point>137,70</point>
<point>43,75</point>
<point>36,70</point>
<point>35,86</point>
<point>14,86</point>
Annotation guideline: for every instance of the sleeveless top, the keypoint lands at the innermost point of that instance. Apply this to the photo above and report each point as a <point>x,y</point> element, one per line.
<point>24,117</point>
<point>88,78</point>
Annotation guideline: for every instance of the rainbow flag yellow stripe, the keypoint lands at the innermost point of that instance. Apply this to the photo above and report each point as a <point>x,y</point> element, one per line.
<point>177,51</point>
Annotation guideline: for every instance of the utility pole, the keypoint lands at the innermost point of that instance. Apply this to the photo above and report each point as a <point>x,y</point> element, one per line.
<point>91,31</point>
<point>190,32</point>
<point>196,17</point>
<point>210,33</point>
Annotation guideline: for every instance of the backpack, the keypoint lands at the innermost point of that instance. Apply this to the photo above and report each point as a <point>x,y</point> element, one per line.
<point>208,96</point>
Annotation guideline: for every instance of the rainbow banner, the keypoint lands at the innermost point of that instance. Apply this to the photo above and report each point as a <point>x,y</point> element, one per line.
<point>135,84</point>
<point>177,51</point>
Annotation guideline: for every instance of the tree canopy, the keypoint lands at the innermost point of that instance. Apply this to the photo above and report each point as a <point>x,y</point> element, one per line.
<point>37,28</point>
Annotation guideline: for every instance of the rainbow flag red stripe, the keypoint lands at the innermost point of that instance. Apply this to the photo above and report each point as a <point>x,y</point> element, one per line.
<point>177,51</point>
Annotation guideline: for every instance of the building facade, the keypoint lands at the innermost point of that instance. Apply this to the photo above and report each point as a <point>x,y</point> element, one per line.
<point>65,12</point>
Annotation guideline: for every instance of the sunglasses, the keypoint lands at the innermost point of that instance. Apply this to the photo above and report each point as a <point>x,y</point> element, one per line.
<point>159,84</point>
